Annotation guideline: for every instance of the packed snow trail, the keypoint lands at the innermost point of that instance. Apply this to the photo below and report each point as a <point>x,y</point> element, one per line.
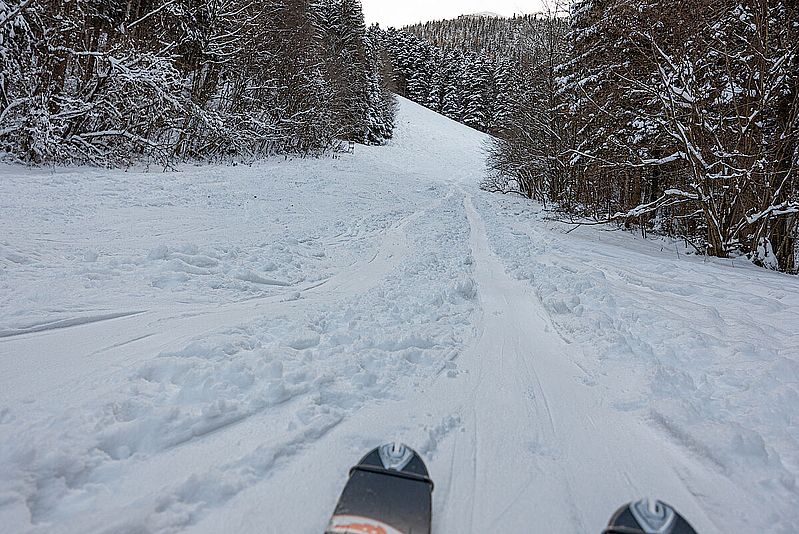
<point>211,350</point>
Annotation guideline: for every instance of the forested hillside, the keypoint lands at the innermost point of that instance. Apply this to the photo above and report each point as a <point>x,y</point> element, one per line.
<point>680,119</point>
<point>490,36</point>
<point>115,81</point>
<point>468,69</point>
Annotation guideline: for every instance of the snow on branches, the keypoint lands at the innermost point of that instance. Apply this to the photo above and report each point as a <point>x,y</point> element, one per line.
<point>680,117</point>
<point>116,82</point>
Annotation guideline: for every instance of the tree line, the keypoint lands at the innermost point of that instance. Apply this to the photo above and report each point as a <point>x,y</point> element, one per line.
<point>469,69</point>
<point>681,119</point>
<point>111,82</point>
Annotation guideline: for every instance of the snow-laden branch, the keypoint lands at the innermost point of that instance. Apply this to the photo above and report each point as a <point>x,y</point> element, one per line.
<point>670,197</point>
<point>779,210</point>
<point>17,12</point>
<point>151,13</point>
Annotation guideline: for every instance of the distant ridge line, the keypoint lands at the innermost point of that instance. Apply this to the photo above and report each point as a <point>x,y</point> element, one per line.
<point>485,14</point>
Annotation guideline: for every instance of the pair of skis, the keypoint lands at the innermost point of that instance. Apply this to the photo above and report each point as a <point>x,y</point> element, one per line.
<point>390,492</point>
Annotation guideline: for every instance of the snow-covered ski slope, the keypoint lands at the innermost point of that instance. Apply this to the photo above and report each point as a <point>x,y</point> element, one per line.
<point>209,351</point>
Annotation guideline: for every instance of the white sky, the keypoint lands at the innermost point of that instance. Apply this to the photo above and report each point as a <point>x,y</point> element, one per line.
<point>402,12</point>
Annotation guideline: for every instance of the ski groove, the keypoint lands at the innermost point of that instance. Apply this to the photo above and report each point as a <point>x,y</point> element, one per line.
<point>60,324</point>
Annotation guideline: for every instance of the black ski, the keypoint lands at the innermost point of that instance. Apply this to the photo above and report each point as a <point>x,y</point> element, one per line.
<point>389,492</point>
<point>648,517</point>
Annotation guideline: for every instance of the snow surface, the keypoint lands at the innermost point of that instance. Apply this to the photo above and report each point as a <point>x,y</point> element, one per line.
<point>210,351</point>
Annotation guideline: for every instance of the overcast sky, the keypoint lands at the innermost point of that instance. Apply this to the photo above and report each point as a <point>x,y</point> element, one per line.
<point>402,12</point>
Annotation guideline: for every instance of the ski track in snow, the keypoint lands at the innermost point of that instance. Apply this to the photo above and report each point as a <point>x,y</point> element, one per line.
<point>211,350</point>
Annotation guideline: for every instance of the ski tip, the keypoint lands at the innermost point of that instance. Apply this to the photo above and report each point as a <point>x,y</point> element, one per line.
<point>648,516</point>
<point>396,456</point>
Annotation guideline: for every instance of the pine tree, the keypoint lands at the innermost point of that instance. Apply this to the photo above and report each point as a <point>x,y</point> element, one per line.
<point>507,89</point>
<point>452,97</point>
<point>476,106</point>
<point>382,105</point>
